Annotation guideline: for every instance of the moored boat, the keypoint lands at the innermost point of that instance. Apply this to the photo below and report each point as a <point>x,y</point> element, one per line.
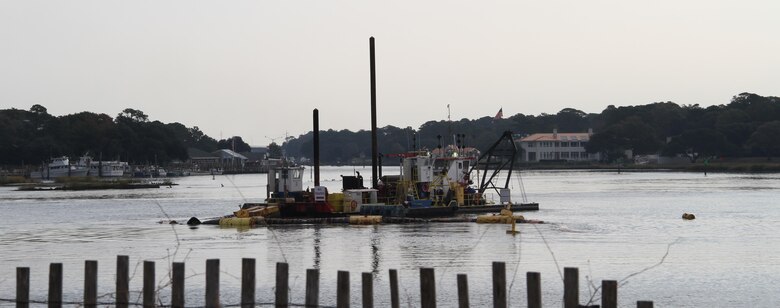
<point>101,168</point>
<point>59,167</point>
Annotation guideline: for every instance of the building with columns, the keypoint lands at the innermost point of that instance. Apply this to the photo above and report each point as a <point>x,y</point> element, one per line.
<point>557,147</point>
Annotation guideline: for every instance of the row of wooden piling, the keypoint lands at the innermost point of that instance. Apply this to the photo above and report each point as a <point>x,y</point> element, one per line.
<point>571,299</point>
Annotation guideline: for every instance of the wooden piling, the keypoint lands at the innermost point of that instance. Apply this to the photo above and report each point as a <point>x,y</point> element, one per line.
<point>22,287</point>
<point>499,285</point>
<point>212,283</point>
<point>90,283</point>
<point>247,282</point>
<point>282,276</point>
<point>534,287</point>
<point>463,291</point>
<point>342,289</point>
<point>122,281</point>
<point>312,288</point>
<point>609,297</point>
<point>394,299</point>
<point>427,288</point>
<point>609,294</point>
<point>55,285</point>
<point>177,285</point>
<point>150,287</point>
<point>571,291</point>
<point>368,290</point>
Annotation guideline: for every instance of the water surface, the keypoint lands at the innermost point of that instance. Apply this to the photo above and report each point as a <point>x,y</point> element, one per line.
<point>609,225</point>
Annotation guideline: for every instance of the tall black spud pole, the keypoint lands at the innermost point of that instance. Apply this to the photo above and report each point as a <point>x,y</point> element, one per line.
<point>374,151</point>
<point>316,133</point>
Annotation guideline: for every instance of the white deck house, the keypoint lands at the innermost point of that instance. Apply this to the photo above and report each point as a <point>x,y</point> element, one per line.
<point>557,146</point>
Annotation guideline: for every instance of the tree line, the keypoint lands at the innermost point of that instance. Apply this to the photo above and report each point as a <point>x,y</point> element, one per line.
<point>34,136</point>
<point>748,126</point>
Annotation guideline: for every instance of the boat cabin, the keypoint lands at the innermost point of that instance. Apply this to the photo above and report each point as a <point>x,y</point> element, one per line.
<point>284,180</point>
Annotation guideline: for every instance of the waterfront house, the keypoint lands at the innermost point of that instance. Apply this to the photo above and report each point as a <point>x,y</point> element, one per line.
<point>557,147</point>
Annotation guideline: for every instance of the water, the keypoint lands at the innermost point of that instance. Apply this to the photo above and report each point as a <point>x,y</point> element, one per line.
<point>609,225</point>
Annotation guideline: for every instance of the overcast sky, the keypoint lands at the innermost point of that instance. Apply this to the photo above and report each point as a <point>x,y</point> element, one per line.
<point>257,68</point>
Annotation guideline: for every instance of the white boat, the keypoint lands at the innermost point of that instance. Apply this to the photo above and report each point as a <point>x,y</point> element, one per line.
<point>59,167</point>
<point>110,168</point>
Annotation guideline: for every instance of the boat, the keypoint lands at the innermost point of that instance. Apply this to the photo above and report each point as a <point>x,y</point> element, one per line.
<point>431,184</point>
<point>59,167</point>
<point>444,178</point>
<point>111,168</point>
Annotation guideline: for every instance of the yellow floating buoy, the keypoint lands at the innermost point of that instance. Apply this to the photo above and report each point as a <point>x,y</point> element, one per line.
<point>498,219</point>
<point>688,216</point>
<point>365,220</point>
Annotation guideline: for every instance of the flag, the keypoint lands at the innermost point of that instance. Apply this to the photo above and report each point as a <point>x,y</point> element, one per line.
<point>499,114</point>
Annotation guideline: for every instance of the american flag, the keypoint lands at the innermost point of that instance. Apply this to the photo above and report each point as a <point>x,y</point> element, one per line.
<point>499,114</point>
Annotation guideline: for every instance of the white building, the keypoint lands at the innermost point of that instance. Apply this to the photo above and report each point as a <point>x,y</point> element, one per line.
<point>557,146</point>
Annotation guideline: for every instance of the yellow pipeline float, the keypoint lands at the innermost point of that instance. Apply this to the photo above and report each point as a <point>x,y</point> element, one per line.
<point>239,221</point>
<point>365,220</point>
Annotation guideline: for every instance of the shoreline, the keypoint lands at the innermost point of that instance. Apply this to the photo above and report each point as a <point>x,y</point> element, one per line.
<point>8,179</point>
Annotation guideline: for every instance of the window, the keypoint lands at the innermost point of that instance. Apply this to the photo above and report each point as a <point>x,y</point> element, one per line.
<point>564,154</point>
<point>565,144</point>
<point>530,144</point>
<point>575,155</point>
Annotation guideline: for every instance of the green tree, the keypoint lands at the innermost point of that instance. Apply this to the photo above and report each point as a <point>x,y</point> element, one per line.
<point>630,134</point>
<point>274,150</point>
<point>700,142</point>
<point>133,115</point>
<point>765,139</point>
<point>235,143</point>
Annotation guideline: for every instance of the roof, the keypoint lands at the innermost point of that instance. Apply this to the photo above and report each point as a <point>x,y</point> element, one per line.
<point>225,153</point>
<point>557,137</point>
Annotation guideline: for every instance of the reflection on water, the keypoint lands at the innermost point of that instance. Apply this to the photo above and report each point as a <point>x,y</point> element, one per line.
<point>317,251</point>
<point>375,236</point>
<point>610,225</point>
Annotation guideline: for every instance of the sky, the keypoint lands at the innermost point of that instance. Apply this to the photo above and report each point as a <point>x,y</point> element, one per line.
<point>258,68</point>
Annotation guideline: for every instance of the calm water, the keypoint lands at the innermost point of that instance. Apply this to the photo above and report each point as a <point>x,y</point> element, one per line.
<point>609,225</point>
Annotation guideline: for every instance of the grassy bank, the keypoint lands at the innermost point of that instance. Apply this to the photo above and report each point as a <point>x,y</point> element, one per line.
<point>13,179</point>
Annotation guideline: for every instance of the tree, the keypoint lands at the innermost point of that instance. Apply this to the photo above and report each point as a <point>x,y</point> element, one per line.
<point>697,143</point>
<point>38,109</point>
<point>572,120</point>
<point>274,150</point>
<point>235,143</point>
<point>133,115</point>
<point>765,139</point>
<point>630,134</point>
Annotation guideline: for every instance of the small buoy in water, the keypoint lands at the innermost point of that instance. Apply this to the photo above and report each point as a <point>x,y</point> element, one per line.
<point>688,216</point>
